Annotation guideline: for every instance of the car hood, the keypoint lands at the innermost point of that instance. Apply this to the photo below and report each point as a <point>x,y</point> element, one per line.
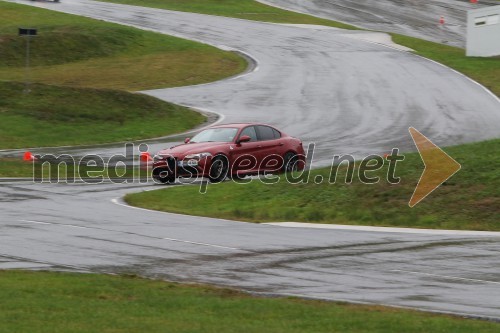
<point>191,148</point>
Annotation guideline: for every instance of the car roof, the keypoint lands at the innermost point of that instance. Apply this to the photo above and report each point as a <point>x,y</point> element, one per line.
<point>239,125</point>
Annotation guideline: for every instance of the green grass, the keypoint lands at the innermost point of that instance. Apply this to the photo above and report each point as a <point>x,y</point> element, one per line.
<point>244,9</point>
<point>469,200</point>
<point>12,167</point>
<point>16,167</point>
<point>80,52</point>
<point>51,116</point>
<point>62,302</point>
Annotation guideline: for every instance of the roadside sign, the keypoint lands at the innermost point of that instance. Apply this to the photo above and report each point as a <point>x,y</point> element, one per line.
<point>27,32</point>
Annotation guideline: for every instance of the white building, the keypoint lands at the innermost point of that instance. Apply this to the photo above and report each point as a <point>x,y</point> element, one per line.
<point>483,32</point>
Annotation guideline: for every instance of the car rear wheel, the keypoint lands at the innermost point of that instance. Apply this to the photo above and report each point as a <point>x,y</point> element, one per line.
<point>218,169</point>
<point>163,175</point>
<point>290,162</point>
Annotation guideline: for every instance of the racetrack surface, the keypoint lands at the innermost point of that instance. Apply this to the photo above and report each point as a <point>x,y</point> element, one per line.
<point>416,18</point>
<point>322,85</point>
<point>78,227</point>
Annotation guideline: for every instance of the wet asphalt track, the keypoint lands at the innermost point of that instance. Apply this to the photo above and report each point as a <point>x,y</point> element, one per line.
<point>414,18</point>
<point>78,227</point>
<point>323,86</point>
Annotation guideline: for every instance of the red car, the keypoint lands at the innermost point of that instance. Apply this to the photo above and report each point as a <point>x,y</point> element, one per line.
<point>231,150</point>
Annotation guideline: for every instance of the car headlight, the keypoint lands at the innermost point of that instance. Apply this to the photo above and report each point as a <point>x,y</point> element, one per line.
<point>198,156</point>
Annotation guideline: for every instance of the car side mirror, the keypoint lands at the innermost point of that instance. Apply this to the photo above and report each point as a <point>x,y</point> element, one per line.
<point>187,140</point>
<point>244,138</point>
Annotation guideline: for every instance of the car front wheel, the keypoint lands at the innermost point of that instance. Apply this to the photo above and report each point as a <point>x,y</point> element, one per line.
<point>218,169</point>
<point>163,175</point>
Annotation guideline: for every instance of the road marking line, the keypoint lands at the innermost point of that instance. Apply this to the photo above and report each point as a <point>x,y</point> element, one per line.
<point>383,229</point>
<point>204,244</point>
<point>58,224</point>
<point>72,226</point>
<point>166,238</point>
<point>445,276</point>
<point>117,202</point>
<point>36,222</point>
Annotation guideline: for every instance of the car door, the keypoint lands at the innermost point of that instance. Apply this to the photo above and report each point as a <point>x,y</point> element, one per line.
<point>245,155</point>
<point>271,147</point>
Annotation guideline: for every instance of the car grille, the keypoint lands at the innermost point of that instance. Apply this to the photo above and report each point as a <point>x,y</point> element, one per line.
<point>172,163</point>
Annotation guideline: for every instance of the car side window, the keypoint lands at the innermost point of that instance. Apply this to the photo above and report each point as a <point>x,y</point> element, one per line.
<point>250,131</point>
<point>277,134</point>
<point>265,133</point>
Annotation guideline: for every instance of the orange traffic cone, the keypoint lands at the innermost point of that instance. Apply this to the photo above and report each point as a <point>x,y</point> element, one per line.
<point>441,20</point>
<point>146,157</point>
<point>28,157</point>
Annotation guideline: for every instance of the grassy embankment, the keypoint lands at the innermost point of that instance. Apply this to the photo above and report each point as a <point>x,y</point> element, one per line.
<point>51,115</point>
<point>79,52</point>
<point>62,302</point>
<point>77,65</point>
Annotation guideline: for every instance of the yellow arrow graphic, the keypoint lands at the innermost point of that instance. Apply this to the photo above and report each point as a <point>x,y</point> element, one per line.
<point>439,167</point>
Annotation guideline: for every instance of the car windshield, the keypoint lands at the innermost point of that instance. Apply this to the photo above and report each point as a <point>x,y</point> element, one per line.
<point>222,134</point>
